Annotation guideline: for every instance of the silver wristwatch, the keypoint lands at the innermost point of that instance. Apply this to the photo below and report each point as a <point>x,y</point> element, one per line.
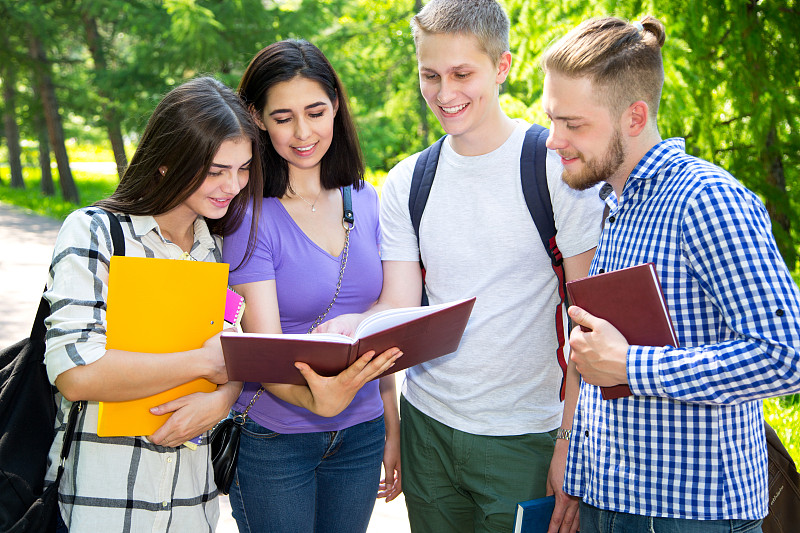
<point>563,433</point>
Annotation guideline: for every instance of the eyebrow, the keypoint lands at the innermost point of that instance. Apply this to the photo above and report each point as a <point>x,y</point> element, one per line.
<point>451,69</point>
<point>566,118</point>
<point>218,165</point>
<point>309,106</point>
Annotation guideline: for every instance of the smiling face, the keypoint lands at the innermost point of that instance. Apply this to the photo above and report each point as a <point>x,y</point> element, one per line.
<point>229,173</point>
<point>583,132</point>
<point>298,116</point>
<point>460,82</point>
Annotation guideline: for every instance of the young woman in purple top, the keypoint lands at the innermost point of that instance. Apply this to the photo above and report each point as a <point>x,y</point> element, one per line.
<point>310,456</point>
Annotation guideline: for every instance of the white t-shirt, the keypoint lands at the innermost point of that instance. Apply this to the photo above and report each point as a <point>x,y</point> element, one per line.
<point>477,238</point>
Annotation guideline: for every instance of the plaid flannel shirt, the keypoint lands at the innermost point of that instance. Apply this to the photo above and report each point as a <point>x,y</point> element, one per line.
<point>120,484</point>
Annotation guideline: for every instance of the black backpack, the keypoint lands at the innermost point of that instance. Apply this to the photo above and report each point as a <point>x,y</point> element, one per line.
<point>784,487</point>
<point>27,420</point>
<point>533,173</point>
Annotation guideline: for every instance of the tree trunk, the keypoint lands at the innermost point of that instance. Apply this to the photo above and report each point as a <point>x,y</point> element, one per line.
<point>10,121</point>
<point>12,131</point>
<point>422,106</point>
<point>776,179</point>
<point>46,89</point>
<point>44,153</point>
<point>109,113</point>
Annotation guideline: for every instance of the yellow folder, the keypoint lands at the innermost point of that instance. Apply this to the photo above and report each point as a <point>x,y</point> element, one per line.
<point>159,306</point>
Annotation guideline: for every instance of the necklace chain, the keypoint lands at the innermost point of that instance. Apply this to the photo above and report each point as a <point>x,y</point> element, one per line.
<point>313,208</point>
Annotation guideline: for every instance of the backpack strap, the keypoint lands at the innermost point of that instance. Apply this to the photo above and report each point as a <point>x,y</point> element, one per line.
<point>118,248</point>
<point>421,183</point>
<point>533,172</point>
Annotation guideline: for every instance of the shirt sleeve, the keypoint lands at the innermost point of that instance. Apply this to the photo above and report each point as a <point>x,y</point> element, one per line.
<point>399,242</point>
<point>730,252</point>
<point>77,289</point>
<point>257,265</point>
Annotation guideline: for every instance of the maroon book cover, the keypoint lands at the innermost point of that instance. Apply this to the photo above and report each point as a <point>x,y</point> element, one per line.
<point>632,301</point>
<point>421,333</point>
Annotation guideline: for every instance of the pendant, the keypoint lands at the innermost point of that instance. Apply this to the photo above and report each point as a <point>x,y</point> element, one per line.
<point>313,209</point>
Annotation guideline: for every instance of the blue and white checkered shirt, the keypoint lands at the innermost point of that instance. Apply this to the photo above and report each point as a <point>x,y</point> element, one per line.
<point>690,442</point>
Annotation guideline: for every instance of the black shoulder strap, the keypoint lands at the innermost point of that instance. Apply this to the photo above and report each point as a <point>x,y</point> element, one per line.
<point>421,183</point>
<point>422,180</point>
<point>118,245</point>
<point>347,205</point>
<point>533,171</point>
<point>117,237</point>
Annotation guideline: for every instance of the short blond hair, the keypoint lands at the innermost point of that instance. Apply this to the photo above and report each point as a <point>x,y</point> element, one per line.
<point>622,59</point>
<point>485,19</point>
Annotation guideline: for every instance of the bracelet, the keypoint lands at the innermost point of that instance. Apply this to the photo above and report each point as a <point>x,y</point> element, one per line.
<point>563,434</point>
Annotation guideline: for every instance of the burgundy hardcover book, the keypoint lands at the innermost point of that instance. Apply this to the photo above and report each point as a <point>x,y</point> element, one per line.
<point>632,301</point>
<point>421,333</point>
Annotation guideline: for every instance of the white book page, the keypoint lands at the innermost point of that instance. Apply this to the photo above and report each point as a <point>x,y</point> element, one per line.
<point>394,317</point>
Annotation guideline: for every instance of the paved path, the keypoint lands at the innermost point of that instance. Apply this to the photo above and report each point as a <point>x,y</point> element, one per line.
<point>26,247</point>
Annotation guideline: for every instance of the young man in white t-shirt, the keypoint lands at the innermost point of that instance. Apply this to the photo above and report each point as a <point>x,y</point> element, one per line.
<point>479,426</point>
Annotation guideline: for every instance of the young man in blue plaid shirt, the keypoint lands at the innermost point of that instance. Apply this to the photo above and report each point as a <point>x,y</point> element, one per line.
<point>685,452</point>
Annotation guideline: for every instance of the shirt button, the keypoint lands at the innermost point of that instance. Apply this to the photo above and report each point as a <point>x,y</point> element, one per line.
<point>601,271</point>
<point>169,459</point>
<point>586,432</point>
<point>779,312</point>
<point>164,504</point>
<point>611,219</point>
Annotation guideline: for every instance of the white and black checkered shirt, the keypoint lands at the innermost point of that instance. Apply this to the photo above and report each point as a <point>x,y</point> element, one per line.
<point>690,442</point>
<point>119,484</point>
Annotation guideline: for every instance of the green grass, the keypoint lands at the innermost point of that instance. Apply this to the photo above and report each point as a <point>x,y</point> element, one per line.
<point>781,413</point>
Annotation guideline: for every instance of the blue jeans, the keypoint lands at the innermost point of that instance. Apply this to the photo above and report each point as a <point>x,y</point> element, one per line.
<point>304,482</point>
<point>594,520</point>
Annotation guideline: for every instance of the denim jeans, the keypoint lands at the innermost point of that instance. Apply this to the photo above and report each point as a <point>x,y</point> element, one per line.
<point>304,482</point>
<point>594,520</point>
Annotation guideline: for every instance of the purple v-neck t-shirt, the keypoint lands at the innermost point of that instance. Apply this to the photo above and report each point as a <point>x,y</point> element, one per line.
<point>305,278</point>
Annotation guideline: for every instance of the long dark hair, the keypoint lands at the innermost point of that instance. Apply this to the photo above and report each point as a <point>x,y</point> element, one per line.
<point>183,134</point>
<point>343,163</point>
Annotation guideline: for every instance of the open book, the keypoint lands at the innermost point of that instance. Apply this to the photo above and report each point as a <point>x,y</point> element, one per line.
<point>632,301</point>
<point>421,333</point>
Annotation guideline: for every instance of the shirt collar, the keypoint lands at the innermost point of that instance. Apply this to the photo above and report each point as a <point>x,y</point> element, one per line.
<point>647,168</point>
<point>203,241</point>
<point>657,157</point>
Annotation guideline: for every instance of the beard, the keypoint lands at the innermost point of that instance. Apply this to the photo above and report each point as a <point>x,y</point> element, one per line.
<point>594,171</point>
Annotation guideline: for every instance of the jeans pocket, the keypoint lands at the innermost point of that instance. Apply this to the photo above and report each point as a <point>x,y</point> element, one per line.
<point>257,431</point>
<point>745,526</point>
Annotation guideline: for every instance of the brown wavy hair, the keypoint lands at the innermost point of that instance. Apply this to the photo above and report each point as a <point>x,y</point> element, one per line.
<point>183,135</point>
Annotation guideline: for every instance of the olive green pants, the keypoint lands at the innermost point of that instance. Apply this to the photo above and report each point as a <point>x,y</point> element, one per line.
<point>459,482</point>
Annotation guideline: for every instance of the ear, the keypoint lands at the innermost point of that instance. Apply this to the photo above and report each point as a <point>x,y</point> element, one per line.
<point>257,117</point>
<point>503,67</point>
<point>634,119</point>
<point>335,104</point>
<point>162,169</point>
